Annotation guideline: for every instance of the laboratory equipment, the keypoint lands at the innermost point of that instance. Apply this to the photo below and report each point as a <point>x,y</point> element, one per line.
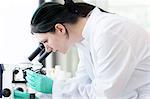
<point>19,72</point>
<point>40,49</point>
<point>3,92</point>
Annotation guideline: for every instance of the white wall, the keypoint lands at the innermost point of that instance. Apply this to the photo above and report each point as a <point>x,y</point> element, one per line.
<point>137,10</point>
<point>100,3</point>
<point>16,41</point>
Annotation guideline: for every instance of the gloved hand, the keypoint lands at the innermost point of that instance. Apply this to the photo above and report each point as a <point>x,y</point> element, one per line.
<point>21,95</point>
<point>39,82</point>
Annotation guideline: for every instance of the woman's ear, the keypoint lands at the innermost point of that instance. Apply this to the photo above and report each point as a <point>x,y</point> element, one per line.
<point>59,28</point>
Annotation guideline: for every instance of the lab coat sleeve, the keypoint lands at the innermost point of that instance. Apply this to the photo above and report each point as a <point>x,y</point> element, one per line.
<point>115,63</point>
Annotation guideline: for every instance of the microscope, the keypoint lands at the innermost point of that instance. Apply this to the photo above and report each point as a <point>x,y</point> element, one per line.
<point>43,54</point>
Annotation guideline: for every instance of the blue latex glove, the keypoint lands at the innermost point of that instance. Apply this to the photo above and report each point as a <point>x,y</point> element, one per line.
<point>21,95</point>
<point>39,82</point>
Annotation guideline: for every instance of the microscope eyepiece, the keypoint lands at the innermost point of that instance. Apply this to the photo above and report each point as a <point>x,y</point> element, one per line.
<point>43,56</point>
<point>40,50</point>
<point>36,52</point>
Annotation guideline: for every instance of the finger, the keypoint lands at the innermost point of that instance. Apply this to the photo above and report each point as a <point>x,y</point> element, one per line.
<point>18,97</point>
<point>30,85</point>
<point>29,72</point>
<point>15,97</point>
<point>30,76</point>
<point>32,73</point>
<point>31,81</point>
<point>18,94</point>
<point>33,86</point>
<point>33,78</point>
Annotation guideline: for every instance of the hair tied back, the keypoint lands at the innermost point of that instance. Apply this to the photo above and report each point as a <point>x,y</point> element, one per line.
<point>70,6</point>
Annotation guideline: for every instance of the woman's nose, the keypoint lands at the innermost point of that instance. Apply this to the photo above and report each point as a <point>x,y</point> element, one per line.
<point>47,48</point>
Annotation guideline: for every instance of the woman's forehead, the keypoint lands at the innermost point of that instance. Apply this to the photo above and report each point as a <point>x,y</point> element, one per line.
<point>41,36</point>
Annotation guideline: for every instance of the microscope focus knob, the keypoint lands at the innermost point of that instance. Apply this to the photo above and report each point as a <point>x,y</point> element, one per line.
<point>20,89</point>
<point>6,92</point>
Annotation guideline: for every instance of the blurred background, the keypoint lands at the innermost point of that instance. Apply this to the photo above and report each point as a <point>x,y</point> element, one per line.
<point>17,42</point>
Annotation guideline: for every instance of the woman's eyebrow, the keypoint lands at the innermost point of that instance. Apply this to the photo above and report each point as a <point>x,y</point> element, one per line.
<point>43,41</point>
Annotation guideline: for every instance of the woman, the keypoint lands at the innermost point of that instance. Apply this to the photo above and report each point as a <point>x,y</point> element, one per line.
<point>114,52</point>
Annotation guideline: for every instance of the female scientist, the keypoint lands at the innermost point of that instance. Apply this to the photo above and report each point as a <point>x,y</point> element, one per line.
<point>114,53</point>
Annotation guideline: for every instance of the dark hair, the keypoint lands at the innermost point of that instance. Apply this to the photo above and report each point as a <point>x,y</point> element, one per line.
<point>50,13</point>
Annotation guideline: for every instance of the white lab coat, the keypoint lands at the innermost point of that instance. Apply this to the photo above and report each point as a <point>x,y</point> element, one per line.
<point>114,61</point>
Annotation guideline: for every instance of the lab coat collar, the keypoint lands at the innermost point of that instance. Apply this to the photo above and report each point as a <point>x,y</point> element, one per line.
<point>90,24</point>
<point>89,28</point>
